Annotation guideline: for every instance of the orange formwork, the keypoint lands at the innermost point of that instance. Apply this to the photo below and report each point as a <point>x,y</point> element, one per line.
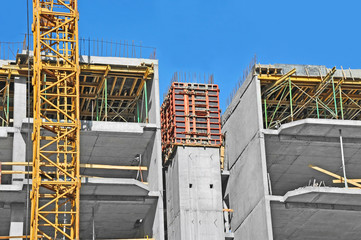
<point>190,115</point>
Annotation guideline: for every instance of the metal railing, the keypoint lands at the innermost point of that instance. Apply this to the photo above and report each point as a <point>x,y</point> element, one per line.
<point>87,47</point>
<point>127,49</point>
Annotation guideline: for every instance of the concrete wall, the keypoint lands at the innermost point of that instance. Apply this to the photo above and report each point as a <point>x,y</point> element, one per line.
<point>194,197</point>
<point>245,160</point>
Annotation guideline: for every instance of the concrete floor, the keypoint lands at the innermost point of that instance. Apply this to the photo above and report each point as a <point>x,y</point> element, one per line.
<point>315,213</point>
<point>118,199</point>
<point>292,148</point>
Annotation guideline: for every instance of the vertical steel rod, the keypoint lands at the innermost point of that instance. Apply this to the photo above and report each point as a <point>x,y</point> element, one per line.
<point>341,107</point>
<point>290,91</point>
<point>146,101</point>
<point>138,111</point>
<point>334,97</point>
<point>97,108</point>
<point>343,160</point>
<point>106,98</point>
<point>265,112</point>
<point>318,113</point>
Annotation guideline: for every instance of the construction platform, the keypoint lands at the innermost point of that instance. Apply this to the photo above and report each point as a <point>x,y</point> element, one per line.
<point>120,142</point>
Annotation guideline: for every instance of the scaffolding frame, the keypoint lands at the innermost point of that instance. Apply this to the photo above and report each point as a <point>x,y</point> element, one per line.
<point>288,97</point>
<point>123,88</point>
<point>5,100</point>
<point>56,128</point>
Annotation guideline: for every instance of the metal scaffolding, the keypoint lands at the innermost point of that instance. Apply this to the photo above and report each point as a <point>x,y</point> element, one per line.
<point>290,96</point>
<point>5,100</point>
<point>123,88</point>
<point>56,130</point>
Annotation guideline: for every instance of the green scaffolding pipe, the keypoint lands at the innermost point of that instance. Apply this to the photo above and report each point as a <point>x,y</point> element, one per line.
<point>97,107</point>
<point>278,104</point>
<point>339,88</point>
<point>106,98</point>
<point>146,101</point>
<point>138,111</point>
<point>334,97</point>
<point>290,91</point>
<point>8,103</point>
<point>318,113</point>
<point>265,112</point>
<point>101,105</point>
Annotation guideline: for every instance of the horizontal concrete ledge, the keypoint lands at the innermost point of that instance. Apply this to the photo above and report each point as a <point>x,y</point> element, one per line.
<point>128,239</point>
<point>102,126</point>
<point>86,181</point>
<point>120,61</point>
<point>11,188</point>
<point>321,195</point>
<point>113,186</point>
<point>319,128</point>
<point>116,60</point>
<point>229,236</point>
<point>5,130</point>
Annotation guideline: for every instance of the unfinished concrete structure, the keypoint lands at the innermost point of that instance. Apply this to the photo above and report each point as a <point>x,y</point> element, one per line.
<point>191,140</point>
<point>290,132</point>
<point>122,189</point>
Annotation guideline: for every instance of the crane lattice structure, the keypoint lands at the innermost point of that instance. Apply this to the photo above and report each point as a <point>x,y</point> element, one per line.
<point>56,180</point>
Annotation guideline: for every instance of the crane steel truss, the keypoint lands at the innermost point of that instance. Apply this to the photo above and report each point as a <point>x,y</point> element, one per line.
<point>56,180</point>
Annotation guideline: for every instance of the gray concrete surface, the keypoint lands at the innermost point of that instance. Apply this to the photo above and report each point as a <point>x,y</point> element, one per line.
<point>17,220</point>
<point>316,213</point>
<point>295,145</point>
<point>245,160</point>
<point>194,196</point>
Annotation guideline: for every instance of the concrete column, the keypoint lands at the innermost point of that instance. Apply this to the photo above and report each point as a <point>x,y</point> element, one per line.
<point>194,195</point>
<point>19,146</point>
<point>17,220</point>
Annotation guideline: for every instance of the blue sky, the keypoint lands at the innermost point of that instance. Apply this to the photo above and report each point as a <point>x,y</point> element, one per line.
<point>218,37</point>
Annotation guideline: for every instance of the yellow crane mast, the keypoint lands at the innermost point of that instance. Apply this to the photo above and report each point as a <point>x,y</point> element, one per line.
<point>56,130</point>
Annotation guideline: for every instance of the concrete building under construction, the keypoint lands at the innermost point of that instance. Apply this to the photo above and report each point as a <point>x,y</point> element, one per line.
<point>282,163</point>
<point>87,151</point>
<point>120,142</point>
<point>292,143</point>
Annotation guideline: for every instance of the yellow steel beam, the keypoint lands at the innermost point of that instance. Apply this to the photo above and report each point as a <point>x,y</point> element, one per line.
<point>104,77</point>
<point>307,80</point>
<point>82,165</point>
<point>342,181</point>
<point>327,77</point>
<point>281,79</point>
<point>335,175</point>
<point>11,237</point>
<point>17,70</point>
<point>129,239</point>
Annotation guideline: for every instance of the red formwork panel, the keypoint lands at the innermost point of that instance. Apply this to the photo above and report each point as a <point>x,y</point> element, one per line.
<point>190,115</point>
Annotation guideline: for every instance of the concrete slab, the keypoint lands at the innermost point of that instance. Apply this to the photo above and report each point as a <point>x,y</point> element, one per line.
<point>290,149</point>
<point>113,187</point>
<point>111,143</point>
<point>315,212</point>
<point>114,219</point>
<point>324,195</point>
<point>117,60</point>
<point>319,128</point>
<point>118,203</point>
